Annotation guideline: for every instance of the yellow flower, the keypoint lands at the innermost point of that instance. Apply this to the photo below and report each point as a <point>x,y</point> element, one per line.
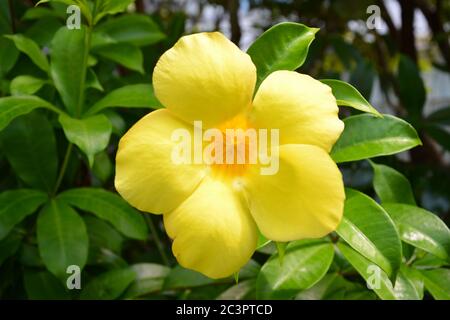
<point>213,212</point>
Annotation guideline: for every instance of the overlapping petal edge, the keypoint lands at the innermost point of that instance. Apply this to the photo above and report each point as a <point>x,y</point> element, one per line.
<point>214,226</point>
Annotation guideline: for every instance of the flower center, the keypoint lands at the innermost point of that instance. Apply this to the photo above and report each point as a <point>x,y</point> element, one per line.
<point>235,150</point>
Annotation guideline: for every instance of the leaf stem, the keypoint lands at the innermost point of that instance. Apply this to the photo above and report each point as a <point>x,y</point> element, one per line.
<point>157,239</point>
<point>63,169</point>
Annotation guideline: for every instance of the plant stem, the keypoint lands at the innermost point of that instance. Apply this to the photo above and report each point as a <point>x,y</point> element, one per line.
<point>157,240</point>
<point>12,15</point>
<point>63,168</point>
<point>87,45</point>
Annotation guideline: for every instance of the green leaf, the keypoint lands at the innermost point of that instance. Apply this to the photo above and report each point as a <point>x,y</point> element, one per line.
<point>103,167</point>
<point>319,290</point>
<point>241,291</point>
<point>42,285</point>
<point>91,134</point>
<point>124,54</point>
<point>421,229</point>
<point>149,279</point>
<point>83,4</point>
<point>8,56</point>
<point>92,81</point>
<point>130,96</point>
<point>30,146</point>
<point>9,245</point>
<point>366,136</point>
<point>15,205</point>
<point>62,238</point>
<point>404,289</point>
<point>439,134</point>
<point>437,282</point>
<point>180,277</point>
<point>105,7</point>
<point>368,229</point>
<point>413,276</point>
<point>391,186</point>
<point>12,107</point>
<point>441,116</point>
<point>411,88</point>
<point>109,285</point>
<point>282,47</point>
<point>67,50</point>
<point>136,29</point>
<point>37,13</point>
<point>102,234</point>
<point>26,85</point>
<point>110,207</point>
<point>313,258</point>
<point>31,49</point>
<point>347,95</point>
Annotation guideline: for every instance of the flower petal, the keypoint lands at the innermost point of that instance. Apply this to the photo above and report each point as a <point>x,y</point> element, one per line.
<point>302,108</point>
<point>213,231</point>
<point>205,77</point>
<point>146,175</point>
<point>304,199</point>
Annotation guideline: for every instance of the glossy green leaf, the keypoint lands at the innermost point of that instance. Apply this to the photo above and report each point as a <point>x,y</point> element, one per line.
<point>180,277</point>
<point>391,186</point>
<point>378,280</point>
<point>277,281</point>
<point>240,291</point>
<point>414,277</point>
<point>91,134</point>
<point>410,85</point>
<point>12,107</point>
<point>26,85</point>
<point>67,53</point>
<point>149,279</point>
<point>102,234</point>
<point>15,205</point>
<point>437,282</point>
<point>347,95</point>
<point>31,49</point>
<point>317,291</point>
<point>42,285</point>
<point>366,136</point>
<point>110,207</point>
<point>368,229</point>
<point>62,238</point>
<point>105,7</point>
<point>282,47</point>
<point>421,229</point>
<point>130,96</point>
<point>30,146</point>
<point>125,54</point>
<point>109,285</point>
<point>136,29</point>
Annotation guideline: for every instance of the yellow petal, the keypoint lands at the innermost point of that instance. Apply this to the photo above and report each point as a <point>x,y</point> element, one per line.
<point>146,175</point>
<point>205,77</point>
<point>213,231</point>
<point>302,108</point>
<point>304,199</point>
